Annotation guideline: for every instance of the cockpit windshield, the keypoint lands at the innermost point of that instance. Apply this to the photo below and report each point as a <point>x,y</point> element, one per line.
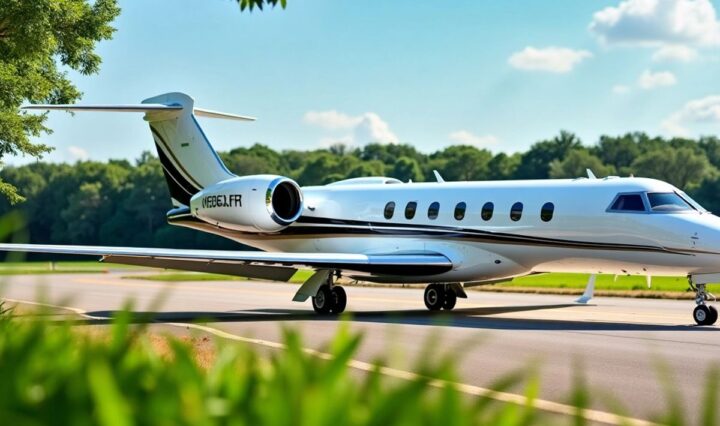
<point>668,202</point>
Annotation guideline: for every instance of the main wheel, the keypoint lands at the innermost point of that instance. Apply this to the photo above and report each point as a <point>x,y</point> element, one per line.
<point>339,298</point>
<point>713,315</point>
<point>450,299</point>
<point>434,297</point>
<point>702,315</point>
<point>323,300</point>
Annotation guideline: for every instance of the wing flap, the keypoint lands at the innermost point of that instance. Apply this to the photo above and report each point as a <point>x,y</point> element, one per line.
<point>274,273</point>
<point>417,264</point>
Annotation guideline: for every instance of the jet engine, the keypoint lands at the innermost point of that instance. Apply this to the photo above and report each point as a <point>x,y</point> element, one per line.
<point>259,203</point>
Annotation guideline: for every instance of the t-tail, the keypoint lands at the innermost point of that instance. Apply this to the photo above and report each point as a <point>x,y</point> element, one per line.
<point>189,162</point>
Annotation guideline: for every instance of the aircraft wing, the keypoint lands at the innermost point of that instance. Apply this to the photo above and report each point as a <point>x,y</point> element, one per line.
<point>254,264</point>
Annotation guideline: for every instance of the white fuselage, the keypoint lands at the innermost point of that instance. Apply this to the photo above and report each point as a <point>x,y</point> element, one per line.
<point>582,235</point>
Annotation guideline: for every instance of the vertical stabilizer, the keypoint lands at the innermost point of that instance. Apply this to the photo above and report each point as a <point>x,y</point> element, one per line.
<point>189,161</point>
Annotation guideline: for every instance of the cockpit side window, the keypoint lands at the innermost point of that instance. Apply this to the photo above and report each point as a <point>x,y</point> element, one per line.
<point>668,202</point>
<point>628,203</point>
<point>692,202</point>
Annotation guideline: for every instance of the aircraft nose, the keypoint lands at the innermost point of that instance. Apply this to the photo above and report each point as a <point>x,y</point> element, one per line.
<point>705,234</point>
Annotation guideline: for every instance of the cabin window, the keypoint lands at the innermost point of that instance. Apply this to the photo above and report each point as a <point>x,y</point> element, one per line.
<point>546,212</point>
<point>628,203</point>
<point>433,210</point>
<point>516,211</point>
<point>389,210</point>
<point>460,210</point>
<point>487,211</point>
<point>667,202</point>
<point>410,210</point>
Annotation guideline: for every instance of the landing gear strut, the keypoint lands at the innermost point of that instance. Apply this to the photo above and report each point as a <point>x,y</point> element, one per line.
<point>330,298</point>
<point>703,314</point>
<point>440,296</point>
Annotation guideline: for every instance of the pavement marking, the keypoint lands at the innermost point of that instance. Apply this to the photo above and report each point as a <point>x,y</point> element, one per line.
<point>507,397</point>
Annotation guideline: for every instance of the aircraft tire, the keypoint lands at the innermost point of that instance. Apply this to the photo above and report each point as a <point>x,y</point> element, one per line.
<point>434,297</point>
<point>323,301</point>
<point>713,315</point>
<point>450,299</point>
<point>702,315</point>
<point>339,298</point>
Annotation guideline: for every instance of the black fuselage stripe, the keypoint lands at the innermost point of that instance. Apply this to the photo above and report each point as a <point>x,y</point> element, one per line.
<point>329,224</point>
<point>502,239</point>
<point>178,165</point>
<point>177,177</point>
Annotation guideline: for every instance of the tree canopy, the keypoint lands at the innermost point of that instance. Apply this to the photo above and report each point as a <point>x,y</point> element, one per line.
<point>39,41</point>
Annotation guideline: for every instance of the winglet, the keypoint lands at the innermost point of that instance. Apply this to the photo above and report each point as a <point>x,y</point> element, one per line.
<point>438,178</point>
<point>589,290</point>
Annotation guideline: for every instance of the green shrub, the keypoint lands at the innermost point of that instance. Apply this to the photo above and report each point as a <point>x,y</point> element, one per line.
<point>65,373</point>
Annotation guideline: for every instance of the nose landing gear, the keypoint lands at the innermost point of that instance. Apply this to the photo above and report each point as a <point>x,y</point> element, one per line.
<point>703,314</point>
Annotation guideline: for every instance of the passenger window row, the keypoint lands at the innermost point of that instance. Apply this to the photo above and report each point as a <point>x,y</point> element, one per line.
<point>486,213</point>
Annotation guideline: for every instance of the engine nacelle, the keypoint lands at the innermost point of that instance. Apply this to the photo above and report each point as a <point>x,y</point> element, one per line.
<point>259,203</point>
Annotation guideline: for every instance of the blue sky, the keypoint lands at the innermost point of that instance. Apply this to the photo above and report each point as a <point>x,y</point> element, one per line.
<point>496,74</point>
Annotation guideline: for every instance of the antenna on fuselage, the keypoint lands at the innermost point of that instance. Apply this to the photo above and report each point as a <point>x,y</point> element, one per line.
<point>438,178</point>
<point>590,174</point>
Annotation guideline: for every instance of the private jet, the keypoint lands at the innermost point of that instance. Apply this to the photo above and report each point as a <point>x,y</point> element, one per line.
<point>448,235</point>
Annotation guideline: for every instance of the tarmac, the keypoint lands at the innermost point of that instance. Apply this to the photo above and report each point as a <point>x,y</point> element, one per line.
<point>632,353</point>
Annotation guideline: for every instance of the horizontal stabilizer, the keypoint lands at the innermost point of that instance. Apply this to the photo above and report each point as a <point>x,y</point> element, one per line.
<point>200,112</point>
<point>217,114</point>
<point>108,108</point>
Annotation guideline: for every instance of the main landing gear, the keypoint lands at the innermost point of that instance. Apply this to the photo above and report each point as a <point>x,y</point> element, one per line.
<point>330,298</point>
<point>703,314</point>
<point>440,296</point>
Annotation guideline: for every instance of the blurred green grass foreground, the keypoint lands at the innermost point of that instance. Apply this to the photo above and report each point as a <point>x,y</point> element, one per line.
<point>61,371</point>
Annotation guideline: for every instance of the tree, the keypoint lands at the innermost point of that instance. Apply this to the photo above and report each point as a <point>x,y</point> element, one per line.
<point>464,163</point>
<point>620,151</point>
<point>407,169</point>
<point>535,163</point>
<point>252,4</point>
<point>576,163</point>
<point>711,146</point>
<point>35,37</point>
<point>682,167</point>
<point>503,166</point>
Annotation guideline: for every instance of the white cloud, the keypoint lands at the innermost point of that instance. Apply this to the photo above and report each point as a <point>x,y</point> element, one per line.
<point>620,89</point>
<point>657,22</point>
<point>372,128</point>
<point>703,110</point>
<point>675,52</point>
<point>550,59</point>
<point>651,80</point>
<point>331,119</point>
<point>77,153</point>
<point>466,138</point>
<point>364,128</point>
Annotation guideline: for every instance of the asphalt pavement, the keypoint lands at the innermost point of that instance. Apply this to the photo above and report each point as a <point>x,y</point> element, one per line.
<point>631,352</point>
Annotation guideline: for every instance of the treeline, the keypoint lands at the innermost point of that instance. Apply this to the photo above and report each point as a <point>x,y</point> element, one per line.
<point>123,203</point>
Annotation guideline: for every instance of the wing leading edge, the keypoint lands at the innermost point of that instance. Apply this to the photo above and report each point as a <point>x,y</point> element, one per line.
<point>256,264</point>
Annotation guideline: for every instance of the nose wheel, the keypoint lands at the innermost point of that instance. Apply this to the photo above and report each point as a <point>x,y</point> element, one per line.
<point>440,296</point>
<point>703,314</point>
